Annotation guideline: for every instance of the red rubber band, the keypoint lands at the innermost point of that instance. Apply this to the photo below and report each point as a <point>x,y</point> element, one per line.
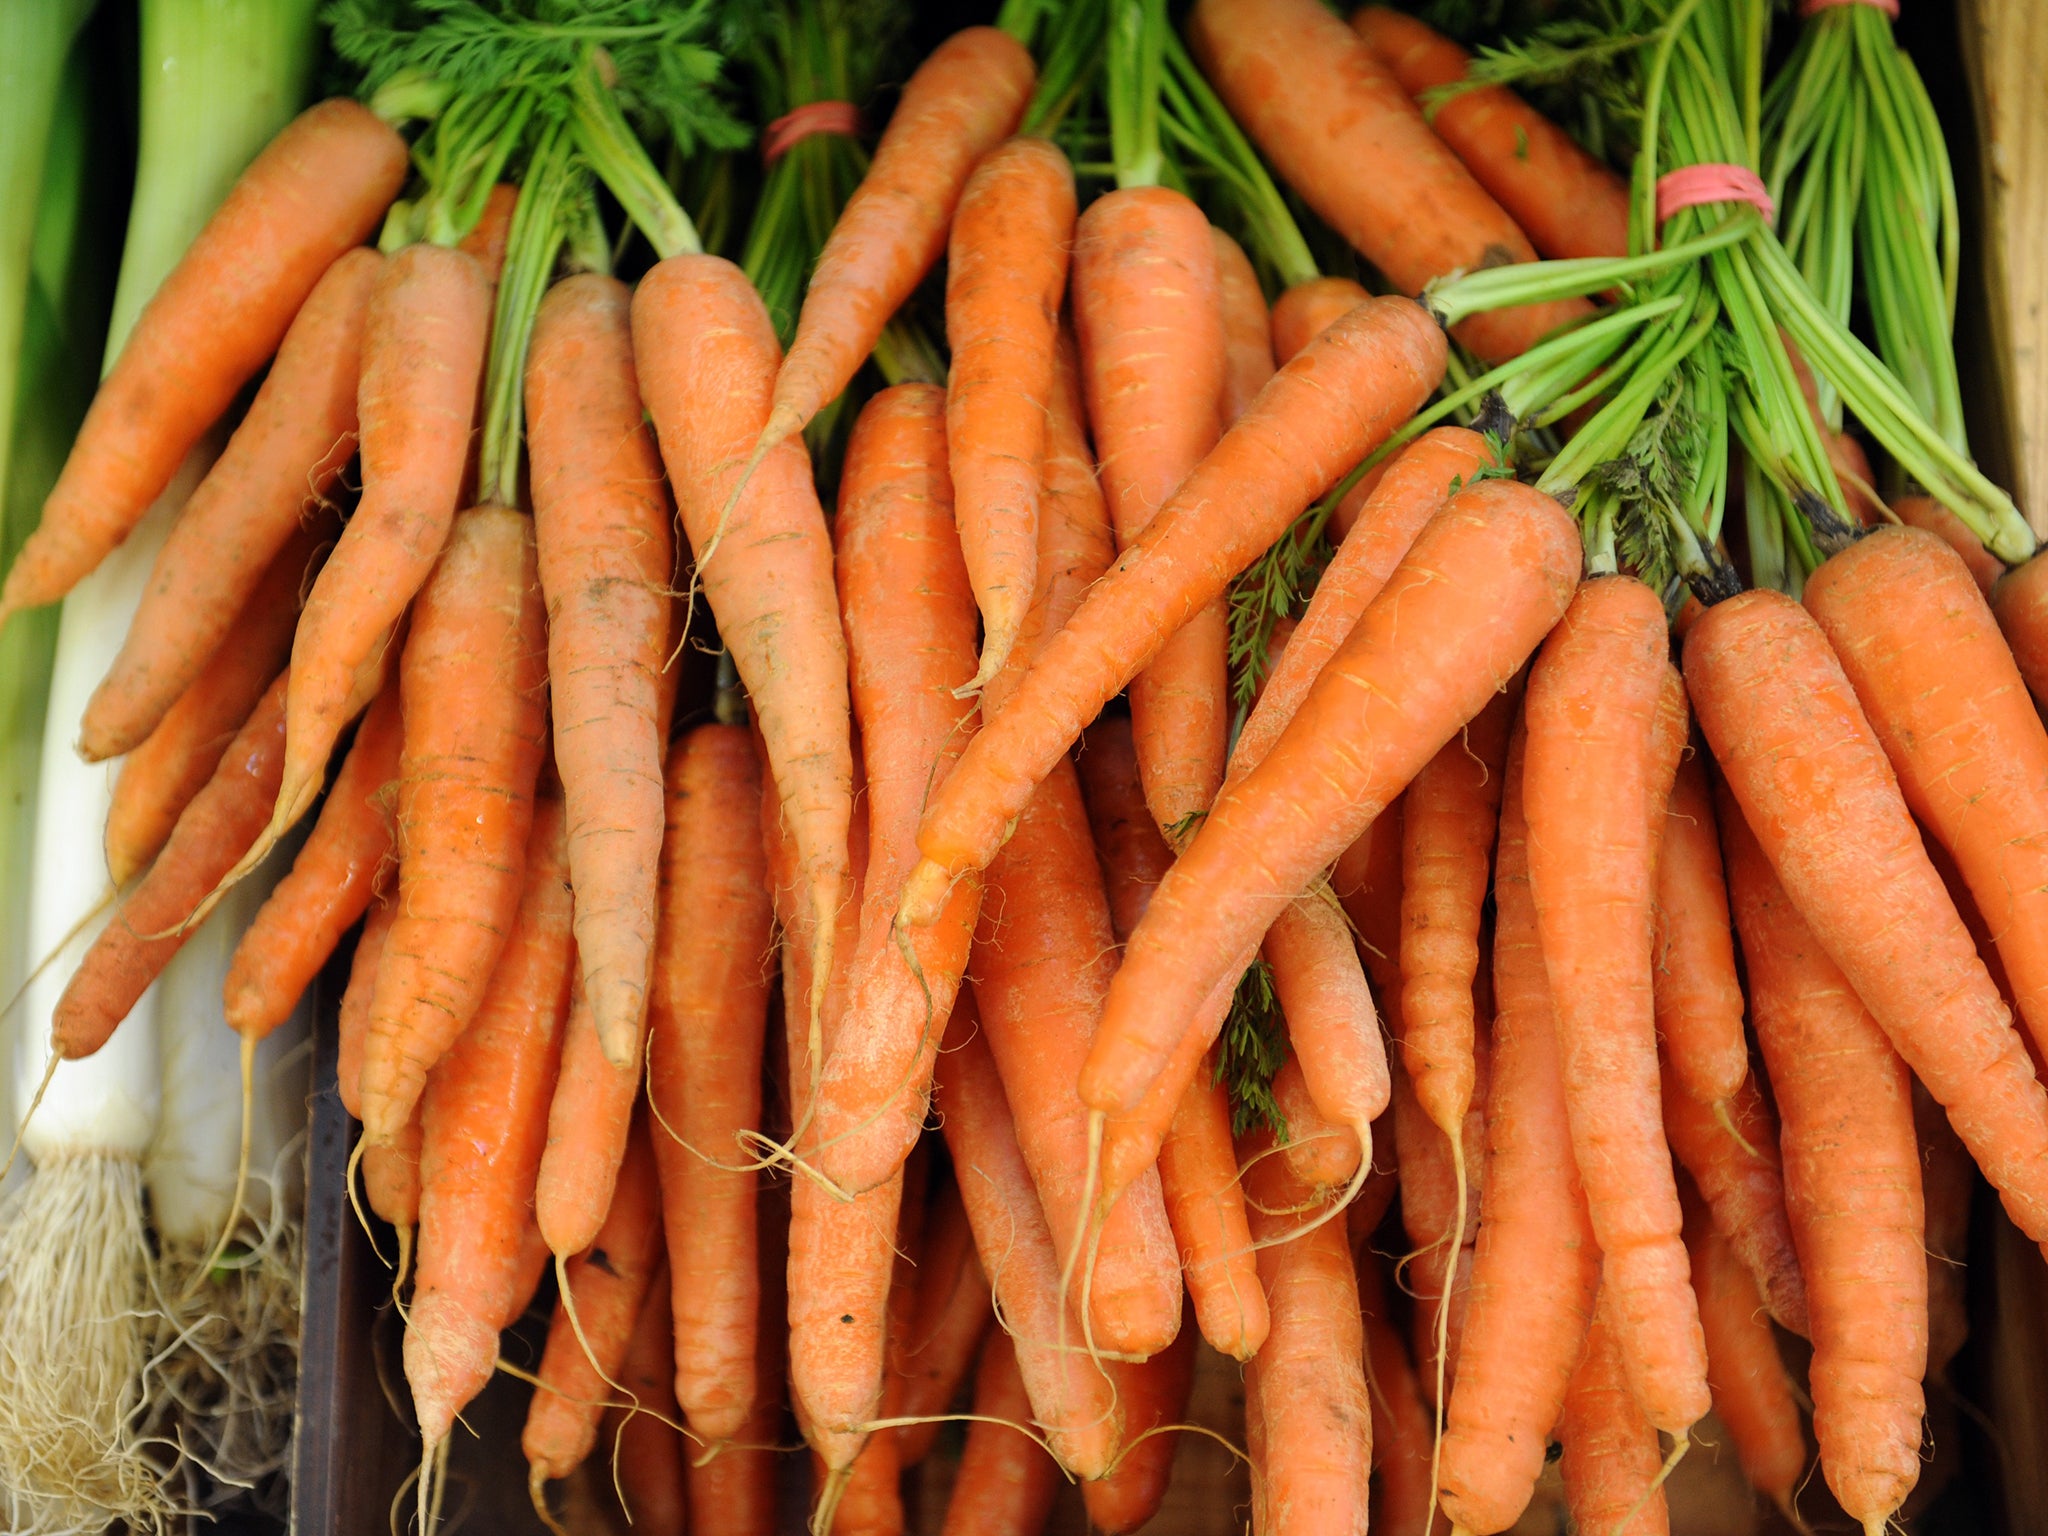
<point>1691,185</point>
<point>1889,7</point>
<point>792,128</point>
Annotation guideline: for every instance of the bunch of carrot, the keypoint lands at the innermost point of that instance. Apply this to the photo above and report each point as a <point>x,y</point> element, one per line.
<point>1124,848</point>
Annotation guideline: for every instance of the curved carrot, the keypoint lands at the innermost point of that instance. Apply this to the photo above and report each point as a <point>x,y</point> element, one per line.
<point>159,778</point>
<point>1800,756</point>
<point>1332,1026</point>
<point>299,435</point>
<point>151,924</point>
<point>1150,327</point>
<point>1247,330</point>
<point>1006,1484</point>
<point>949,1319</point>
<point>472,686</point>
<point>962,101</point>
<point>1611,1460</point>
<point>1321,1152</point>
<point>1698,999</point>
<point>1006,270</point>
<point>484,1119</point>
<point>316,189</point>
<point>1319,415</point>
<point>1587,792</point>
<point>423,353</point>
<point>331,883</point>
<point>706,357</point>
<point>2019,601</point>
<point>1341,131</point>
<point>602,528</point>
<point>1939,687</point>
<point>1153,1394</point>
<point>1536,1268</point>
<point>1568,203</point>
<point>1852,1188</point>
<point>1490,576</point>
<point>707,1022</point>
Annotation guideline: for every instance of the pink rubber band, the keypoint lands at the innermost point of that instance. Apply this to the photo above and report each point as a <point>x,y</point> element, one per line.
<point>792,128</point>
<point>1691,185</point>
<point>1889,7</point>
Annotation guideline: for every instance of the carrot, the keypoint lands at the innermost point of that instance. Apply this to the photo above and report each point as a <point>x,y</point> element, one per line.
<point>1316,1420</point>
<point>1321,1152</point>
<point>484,1117</point>
<point>492,232</point>
<point>1810,774</point>
<point>909,620</point>
<point>1611,1461</point>
<point>1247,333</point>
<point>1439,1273</point>
<point>1735,1163</point>
<point>872,1501</point>
<point>610,1284</point>
<point>706,356</point>
<point>1587,791</point>
<point>960,103</point>
<point>1568,203</point>
<point>277,468</point>
<point>948,1319</point>
<point>1402,1499</point>
<point>1071,1397</point>
<point>602,528</point>
<point>1322,412</point>
<point>1005,1484</point>
<point>2019,600</point>
<point>733,1493</point>
<point>1939,687</point>
<point>1930,516</point>
<point>1752,1392</point>
<point>1852,1185</point>
<point>159,778</point>
<point>1698,1000</point>
<point>650,1459</point>
<point>1340,130</point>
<point>353,1026</point>
<point>707,1021</point>
<point>590,1120</point>
<point>1006,269</point>
<point>391,1186</point>
<point>1450,814</point>
<point>1499,551</point>
<point>423,353</point>
<point>1332,1028</point>
<point>331,884</point>
<point>473,691</point>
<point>1197,1164</point>
<point>1367,881</point>
<point>315,190</point>
<point>149,927</point>
<point>1306,310</point>
<point>1148,319</point>
<point>1153,1395</point>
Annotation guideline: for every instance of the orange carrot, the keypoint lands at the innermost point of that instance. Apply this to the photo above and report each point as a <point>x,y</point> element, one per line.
<point>1328,407</point>
<point>1698,1000</point>
<point>1500,552</point>
<point>1401,1500</point>
<point>590,1120</point>
<point>610,1284</point>
<point>354,1023</point>
<point>473,691</point>
<point>1006,269</point>
<point>1367,881</point>
<point>1611,1461</point>
<point>1153,1395</point>
<point>962,101</point>
<point>1734,1161</point>
<point>1071,1398</point>
<point>733,1493</point>
<point>707,1021</point>
<point>1150,329</point>
<point>149,927</point>
<point>1939,686</point>
<point>316,189</point>
<point>1308,309</point>
<point>1752,1392</point>
<point>2020,602</point>
<point>1247,333</point>
<point>602,528</point>
<point>391,1185</point>
<point>706,357</point>
<point>948,1319</point>
<point>1439,1272</point>
<point>330,885</point>
<point>909,620</point>
<point>1929,515</point>
<point>650,1458</point>
<point>277,468</point>
<point>492,231</point>
<point>1310,1373</point>
<point>423,353</point>
<point>1340,130</point>
<point>159,778</point>
<point>484,1118</point>
<point>1567,202</point>
<point>1322,1153</point>
<point>1810,774</point>
<point>1852,1186</point>
<point>1006,1483</point>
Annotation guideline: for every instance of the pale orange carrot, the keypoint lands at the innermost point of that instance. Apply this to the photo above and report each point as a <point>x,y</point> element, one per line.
<point>949,1318</point>
<point>1005,1484</point>
<point>1611,1460</point>
<point>1401,1498</point>
<point>1153,1395</point>
<point>1247,332</point>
